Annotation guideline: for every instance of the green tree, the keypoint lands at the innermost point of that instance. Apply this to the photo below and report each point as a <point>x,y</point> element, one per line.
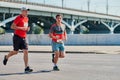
<point>84,30</point>
<point>2,31</point>
<point>37,30</point>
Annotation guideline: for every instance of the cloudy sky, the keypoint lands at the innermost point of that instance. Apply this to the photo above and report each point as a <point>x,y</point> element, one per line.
<point>95,5</point>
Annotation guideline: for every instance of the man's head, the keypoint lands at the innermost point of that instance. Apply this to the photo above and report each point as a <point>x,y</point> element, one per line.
<point>58,18</point>
<point>24,11</point>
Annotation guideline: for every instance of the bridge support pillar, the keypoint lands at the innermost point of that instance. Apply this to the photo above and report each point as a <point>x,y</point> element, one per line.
<point>111,27</point>
<point>4,16</point>
<point>73,26</point>
<point>12,15</point>
<point>7,20</point>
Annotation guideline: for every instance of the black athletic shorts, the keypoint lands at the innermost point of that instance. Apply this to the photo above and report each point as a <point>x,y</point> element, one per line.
<point>19,43</point>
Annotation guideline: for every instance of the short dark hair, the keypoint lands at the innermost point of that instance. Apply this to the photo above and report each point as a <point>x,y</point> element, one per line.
<point>58,15</point>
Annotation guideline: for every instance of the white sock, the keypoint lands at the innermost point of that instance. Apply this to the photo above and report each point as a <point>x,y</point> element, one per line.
<point>55,64</point>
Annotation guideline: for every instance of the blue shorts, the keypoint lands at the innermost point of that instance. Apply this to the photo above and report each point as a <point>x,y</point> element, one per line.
<point>58,46</point>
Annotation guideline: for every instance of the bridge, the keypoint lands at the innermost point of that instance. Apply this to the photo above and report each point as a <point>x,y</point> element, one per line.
<point>72,18</point>
<point>97,26</point>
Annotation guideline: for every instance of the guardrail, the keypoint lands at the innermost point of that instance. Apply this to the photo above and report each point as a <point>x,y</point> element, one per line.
<point>22,2</point>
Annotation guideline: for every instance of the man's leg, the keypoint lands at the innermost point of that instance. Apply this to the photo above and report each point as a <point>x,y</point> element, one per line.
<point>16,45</point>
<point>11,53</point>
<point>25,57</point>
<point>53,57</point>
<point>56,57</point>
<point>62,54</point>
<point>62,51</point>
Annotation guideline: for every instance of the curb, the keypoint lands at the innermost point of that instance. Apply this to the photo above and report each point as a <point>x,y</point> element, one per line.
<point>75,52</point>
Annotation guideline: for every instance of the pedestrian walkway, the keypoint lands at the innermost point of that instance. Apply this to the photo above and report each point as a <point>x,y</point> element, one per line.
<point>71,49</point>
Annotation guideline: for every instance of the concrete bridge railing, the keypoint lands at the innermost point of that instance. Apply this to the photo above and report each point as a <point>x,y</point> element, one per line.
<point>76,39</point>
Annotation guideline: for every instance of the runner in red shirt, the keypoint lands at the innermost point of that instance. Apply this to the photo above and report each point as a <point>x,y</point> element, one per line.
<point>20,26</point>
<point>58,35</point>
<point>21,21</point>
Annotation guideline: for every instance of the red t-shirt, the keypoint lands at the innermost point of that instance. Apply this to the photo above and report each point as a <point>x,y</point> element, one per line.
<point>21,22</point>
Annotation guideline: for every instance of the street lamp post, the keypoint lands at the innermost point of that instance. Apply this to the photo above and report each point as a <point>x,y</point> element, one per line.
<point>88,3</point>
<point>62,3</point>
<point>26,1</point>
<point>107,6</point>
<point>44,2</point>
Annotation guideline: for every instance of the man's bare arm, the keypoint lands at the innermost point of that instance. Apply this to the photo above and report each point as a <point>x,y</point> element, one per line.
<point>13,26</point>
<point>51,36</point>
<point>65,34</point>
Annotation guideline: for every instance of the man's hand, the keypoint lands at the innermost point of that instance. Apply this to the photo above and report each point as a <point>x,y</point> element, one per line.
<point>24,28</point>
<point>28,29</point>
<point>57,37</point>
<point>52,36</point>
<point>20,28</point>
<point>65,39</point>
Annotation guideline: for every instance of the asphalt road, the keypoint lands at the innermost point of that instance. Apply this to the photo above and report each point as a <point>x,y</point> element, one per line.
<point>73,67</point>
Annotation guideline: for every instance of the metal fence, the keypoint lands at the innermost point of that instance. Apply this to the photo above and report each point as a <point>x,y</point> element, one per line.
<point>49,5</point>
<point>31,3</point>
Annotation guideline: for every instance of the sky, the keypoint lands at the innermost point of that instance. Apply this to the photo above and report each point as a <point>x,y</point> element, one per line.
<point>94,5</point>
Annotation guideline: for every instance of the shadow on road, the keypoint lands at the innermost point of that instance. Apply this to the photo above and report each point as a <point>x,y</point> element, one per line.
<point>22,73</point>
